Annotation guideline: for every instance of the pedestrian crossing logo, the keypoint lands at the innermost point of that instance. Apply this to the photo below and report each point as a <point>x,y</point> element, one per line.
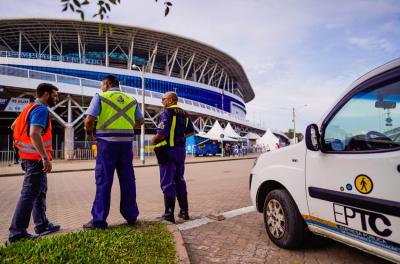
<point>363,184</point>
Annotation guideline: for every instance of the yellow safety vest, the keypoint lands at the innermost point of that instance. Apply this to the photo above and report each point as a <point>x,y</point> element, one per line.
<point>115,121</point>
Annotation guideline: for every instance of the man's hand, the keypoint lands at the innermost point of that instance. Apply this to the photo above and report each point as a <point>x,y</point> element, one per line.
<point>157,138</point>
<point>47,166</point>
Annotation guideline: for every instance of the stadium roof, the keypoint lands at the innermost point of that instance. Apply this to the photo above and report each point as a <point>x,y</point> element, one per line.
<point>218,65</point>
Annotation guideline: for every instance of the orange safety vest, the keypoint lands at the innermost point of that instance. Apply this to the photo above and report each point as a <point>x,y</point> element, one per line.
<point>23,141</point>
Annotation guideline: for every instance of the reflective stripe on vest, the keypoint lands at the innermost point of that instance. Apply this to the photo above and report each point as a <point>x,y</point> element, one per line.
<point>115,122</point>
<point>172,132</point>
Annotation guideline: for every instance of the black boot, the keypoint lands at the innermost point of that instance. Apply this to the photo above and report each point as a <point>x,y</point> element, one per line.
<point>169,202</point>
<point>183,204</point>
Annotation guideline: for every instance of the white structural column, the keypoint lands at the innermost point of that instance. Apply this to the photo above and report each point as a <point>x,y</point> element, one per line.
<point>79,48</point>
<point>107,59</point>
<point>50,46</point>
<point>20,44</point>
<point>69,133</point>
<point>190,65</point>
<point>130,55</point>
<point>69,126</point>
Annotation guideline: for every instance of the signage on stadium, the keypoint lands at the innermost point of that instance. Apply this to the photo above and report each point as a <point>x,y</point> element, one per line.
<point>13,104</point>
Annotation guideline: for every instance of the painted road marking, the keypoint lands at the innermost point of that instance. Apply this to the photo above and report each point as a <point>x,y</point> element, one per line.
<point>205,220</point>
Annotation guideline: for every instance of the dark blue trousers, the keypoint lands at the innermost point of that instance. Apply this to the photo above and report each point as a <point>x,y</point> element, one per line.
<point>113,156</point>
<point>171,173</point>
<point>32,199</point>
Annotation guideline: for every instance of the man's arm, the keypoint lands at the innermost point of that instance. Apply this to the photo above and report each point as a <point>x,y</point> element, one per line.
<point>138,123</point>
<point>157,138</point>
<point>189,134</point>
<point>36,136</point>
<point>13,124</point>
<point>89,127</point>
<point>189,130</point>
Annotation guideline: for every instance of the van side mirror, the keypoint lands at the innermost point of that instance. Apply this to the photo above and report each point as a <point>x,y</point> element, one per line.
<point>313,138</point>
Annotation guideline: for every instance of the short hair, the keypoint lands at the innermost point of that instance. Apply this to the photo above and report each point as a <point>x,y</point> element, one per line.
<point>173,96</point>
<point>45,87</point>
<point>112,80</point>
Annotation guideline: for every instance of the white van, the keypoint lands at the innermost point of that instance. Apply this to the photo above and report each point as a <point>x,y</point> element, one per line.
<point>343,180</point>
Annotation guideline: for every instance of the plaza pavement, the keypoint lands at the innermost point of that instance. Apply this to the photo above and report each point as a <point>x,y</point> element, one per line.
<point>214,187</point>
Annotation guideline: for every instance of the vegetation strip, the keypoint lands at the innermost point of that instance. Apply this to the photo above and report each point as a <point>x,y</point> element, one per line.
<point>145,242</point>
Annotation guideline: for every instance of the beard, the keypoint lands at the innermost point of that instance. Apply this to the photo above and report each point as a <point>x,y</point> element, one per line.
<point>51,102</point>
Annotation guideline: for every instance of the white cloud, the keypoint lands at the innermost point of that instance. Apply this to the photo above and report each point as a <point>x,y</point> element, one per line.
<point>372,43</point>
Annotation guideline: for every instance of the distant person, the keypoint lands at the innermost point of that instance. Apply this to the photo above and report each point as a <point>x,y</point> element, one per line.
<point>32,136</point>
<point>118,114</point>
<point>169,142</point>
<point>16,155</point>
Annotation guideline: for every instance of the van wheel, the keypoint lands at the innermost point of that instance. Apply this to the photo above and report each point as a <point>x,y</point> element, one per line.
<point>283,222</point>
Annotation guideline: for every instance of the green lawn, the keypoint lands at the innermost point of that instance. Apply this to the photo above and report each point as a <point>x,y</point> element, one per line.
<point>144,243</point>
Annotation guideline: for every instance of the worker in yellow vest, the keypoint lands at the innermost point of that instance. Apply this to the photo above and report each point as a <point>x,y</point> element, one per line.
<point>118,114</point>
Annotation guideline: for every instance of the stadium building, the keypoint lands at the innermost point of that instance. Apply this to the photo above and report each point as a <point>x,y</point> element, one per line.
<point>76,55</point>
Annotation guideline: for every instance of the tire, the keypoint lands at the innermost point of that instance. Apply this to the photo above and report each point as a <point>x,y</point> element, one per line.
<point>283,222</point>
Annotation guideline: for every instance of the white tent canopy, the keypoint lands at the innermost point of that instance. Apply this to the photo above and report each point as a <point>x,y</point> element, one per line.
<point>252,136</point>
<point>215,133</point>
<point>229,132</point>
<point>269,140</point>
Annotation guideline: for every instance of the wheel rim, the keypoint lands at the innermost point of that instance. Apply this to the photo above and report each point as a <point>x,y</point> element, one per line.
<point>275,219</point>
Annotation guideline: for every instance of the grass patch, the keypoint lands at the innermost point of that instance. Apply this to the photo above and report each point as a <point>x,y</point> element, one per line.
<point>144,243</point>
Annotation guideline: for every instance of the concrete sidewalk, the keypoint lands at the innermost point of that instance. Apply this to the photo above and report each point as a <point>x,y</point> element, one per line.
<point>88,165</point>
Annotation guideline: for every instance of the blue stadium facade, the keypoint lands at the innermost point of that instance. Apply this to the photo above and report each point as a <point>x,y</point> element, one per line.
<point>76,55</point>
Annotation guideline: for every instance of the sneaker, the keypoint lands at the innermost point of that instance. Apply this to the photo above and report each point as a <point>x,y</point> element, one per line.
<point>50,228</point>
<point>90,225</point>
<point>20,237</point>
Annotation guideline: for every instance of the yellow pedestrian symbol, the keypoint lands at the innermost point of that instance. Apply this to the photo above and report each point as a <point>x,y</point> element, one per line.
<point>363,184</point>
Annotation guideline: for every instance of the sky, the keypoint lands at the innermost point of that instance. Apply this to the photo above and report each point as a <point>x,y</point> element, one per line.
<point>296,54</point>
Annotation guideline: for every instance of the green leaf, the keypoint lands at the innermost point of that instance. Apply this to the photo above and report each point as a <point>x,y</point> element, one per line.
<point>166,11</point>
<point>77,3</point>
<point>71,6</point>
<point>65,7</point>
<point>108,6</point>
<point>82,14</point>
<point>64,0</point>
<point>113,2</point>
<point>168,3</point>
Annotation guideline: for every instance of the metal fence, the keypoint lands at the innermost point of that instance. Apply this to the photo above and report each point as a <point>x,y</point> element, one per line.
<point>6,158</point>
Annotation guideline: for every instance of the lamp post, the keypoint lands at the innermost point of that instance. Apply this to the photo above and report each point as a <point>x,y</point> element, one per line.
<point>294,120</point>
<point>142,156</point>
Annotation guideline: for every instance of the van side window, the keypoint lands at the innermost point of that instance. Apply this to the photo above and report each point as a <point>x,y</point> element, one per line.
<point>369,121</point>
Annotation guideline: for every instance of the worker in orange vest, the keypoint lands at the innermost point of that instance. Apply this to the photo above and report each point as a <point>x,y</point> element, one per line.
<point>32,137</point>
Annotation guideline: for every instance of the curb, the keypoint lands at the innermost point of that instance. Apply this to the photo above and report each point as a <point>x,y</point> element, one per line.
<point>183,257</point>
<point>137,166</point>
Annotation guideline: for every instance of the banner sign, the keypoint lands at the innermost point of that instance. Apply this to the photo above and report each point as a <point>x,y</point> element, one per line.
<point>13,104</point>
